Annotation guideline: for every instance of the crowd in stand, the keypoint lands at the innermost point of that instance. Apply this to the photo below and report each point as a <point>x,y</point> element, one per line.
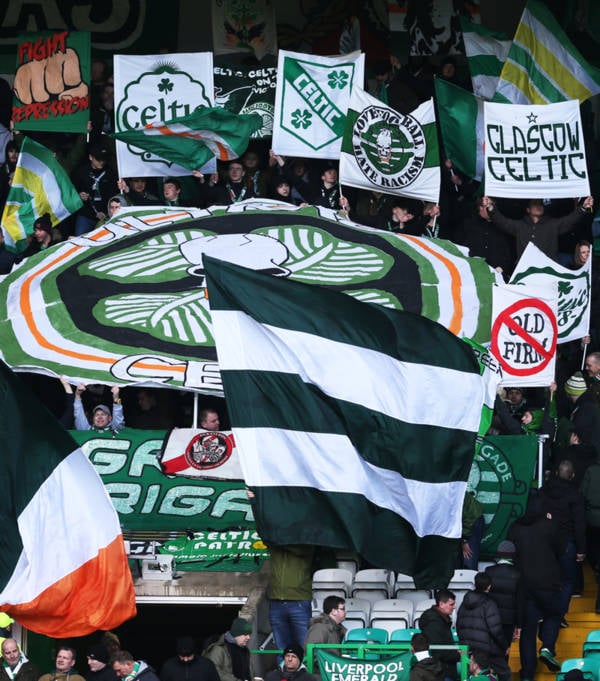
<point>539,568</point>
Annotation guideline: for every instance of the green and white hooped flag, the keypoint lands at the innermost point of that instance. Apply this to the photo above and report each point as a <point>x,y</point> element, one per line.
<point>387,151</point>
<point>311,102</point>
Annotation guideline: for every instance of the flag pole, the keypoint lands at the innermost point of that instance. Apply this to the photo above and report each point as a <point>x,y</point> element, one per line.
<point>195,415</point>
<point>584,354</point>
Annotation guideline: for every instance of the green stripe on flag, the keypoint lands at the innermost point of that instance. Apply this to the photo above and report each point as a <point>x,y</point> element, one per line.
<point>267,399</point>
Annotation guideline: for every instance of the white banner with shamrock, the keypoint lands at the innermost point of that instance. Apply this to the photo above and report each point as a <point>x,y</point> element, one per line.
<point>311,102</point>
<point>153,88</point>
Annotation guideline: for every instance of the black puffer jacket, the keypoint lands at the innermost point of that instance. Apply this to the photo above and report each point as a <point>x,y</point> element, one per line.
<point>479,625</point>
<point>505,591</point>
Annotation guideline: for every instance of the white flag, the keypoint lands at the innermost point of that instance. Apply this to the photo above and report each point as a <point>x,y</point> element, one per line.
<point>388,151</point>
<point>534,150</point>
<point>574,289</point>
<point>153,88</point>
<point>311,102</point>
<point>524,333</point>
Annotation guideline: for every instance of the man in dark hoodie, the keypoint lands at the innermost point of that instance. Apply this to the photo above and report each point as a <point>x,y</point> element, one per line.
<point>425,667</point>
<point>479,625</point>
<point>564,501</point>
<point>98,659</point>
<point>187,665</point>
<point>291,667</point>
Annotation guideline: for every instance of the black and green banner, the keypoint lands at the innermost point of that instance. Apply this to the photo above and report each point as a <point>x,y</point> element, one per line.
<point>501,476</point>
<point>244,89</point>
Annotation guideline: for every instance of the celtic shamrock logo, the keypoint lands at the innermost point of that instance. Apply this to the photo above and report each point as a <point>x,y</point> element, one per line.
<point>301,119</point>
<point>165,85</point>
<point>337,79</point>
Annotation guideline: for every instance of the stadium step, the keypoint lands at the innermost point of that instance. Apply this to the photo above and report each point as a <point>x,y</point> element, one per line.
<point>581,618</point>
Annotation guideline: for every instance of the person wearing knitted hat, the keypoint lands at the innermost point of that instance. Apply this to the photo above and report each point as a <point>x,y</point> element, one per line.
<point>291,667</point>
<point>230,654</point>
<point>98,658</point>
<point>505,587</point>
<point>585,416</point>
<point>187,664</point>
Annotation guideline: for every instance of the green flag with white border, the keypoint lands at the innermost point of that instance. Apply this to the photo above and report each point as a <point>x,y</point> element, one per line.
<point>387,151</point>
<point>350,428</point>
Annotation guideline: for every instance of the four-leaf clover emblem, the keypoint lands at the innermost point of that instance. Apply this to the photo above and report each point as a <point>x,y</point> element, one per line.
<point>301,119</point>
<point>337,79</point>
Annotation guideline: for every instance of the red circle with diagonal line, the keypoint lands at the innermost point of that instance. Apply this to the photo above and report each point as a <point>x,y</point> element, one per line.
<point>505,319</point>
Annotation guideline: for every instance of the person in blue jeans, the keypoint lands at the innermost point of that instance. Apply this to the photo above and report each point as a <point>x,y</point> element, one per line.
<point>290,593</point>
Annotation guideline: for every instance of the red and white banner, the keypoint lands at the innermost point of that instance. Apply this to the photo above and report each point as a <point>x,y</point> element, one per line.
<point>525,333</point>
<point>201,453</point>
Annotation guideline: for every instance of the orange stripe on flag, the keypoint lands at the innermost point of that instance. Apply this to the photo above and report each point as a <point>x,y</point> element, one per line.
<point>455,323</point>
<point>85,600</point>
<point>25,304</point>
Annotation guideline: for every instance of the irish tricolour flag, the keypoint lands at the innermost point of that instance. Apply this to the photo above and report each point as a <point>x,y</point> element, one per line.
<point>63,568</point>
<point>355,423</point>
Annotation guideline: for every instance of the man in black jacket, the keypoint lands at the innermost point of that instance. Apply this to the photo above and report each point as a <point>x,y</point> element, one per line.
<point>479,626</point>
<point>436,624</point>
<point>539,549</point>
<point>563,500</point>
<point>536,228</point>
<point>187,665</point>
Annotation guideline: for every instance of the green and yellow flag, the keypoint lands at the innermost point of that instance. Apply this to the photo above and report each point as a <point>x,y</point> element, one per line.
<point>40,185</point>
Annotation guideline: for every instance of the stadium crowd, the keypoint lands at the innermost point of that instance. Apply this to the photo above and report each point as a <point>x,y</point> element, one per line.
<point>539,566</point>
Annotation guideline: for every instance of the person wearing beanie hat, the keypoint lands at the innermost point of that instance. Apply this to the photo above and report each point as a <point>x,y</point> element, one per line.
<point>98,658</point>
<point>230,653</point>
<point>505,587</point>
<point>15,665</point>
<point>585,416</point>
<point>575,385</point>
<point>291,667</point>
<point>187,664</point>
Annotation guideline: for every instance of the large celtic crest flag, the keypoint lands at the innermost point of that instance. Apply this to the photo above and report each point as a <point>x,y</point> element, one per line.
<point>127,303</point>
<point>311,102</point>
<point>387,151</point>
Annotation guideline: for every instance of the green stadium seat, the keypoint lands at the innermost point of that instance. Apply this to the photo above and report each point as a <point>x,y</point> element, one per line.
<point>591,645</point>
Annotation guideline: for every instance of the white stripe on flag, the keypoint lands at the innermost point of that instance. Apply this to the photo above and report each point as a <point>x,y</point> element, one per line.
<point>74,502</point>
<point>424,505</point>
<point>346,372</point>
